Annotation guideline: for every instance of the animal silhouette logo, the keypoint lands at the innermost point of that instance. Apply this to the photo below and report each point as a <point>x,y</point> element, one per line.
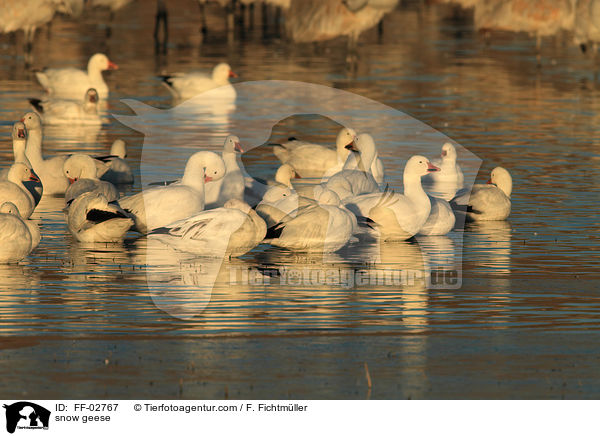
<point>26,415</point>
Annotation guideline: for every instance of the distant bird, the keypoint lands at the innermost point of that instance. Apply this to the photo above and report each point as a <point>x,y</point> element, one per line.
<point>322,20</point>
<point>91,218</point>
<point>73,83</point>
<point>63,111</point>
<point>587,25</point>
<point>114,168</point>
<point>490,202</point>
<point>18,237</point>
<point>187,85</point>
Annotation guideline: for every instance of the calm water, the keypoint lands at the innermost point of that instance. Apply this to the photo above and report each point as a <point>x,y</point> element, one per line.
<point>524,323</point>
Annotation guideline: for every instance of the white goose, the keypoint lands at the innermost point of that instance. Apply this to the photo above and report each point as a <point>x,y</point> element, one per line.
<point>450,178</point>
<point>19,142</point>
<point>91,218</point>
<point>315,160</point>
<point>49,171</point>
<point>188,85</point>
<point>351,163</point>
<point>114,168</point>
<point>397,217</point>
<point>441,218</point>
<point>352,182</point>
<point>256,189</point>
<point>277,203</point>
<point>490,202</point>
<point>231,230</point>
<point>161,205</point>
<point>325,227</point>
<point>13,190</point>
<point>61,111</point>
<point>80,169</point>
<point>17,236</point>
<point>73,83</point>
<point>231,185</point>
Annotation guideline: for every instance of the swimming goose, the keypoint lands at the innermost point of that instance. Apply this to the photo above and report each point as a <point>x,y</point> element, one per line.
<point>161,205</point>
<point>450,173</point>
<point>73,83</point>
<point>13,190</point>
<point>61,111</point>
<point>352,182</point>
<point>392,216</point>
<point>80,169</point>
<point>91,218</point>
<point>19,141</point>
<point>324,227</point>
<point>231,185</point>
<point>113,168</point>
<point>231,230</point>
<point>490,202</point>
<point>441,218</point>
<point>188,85</point>
<point>16,239</point>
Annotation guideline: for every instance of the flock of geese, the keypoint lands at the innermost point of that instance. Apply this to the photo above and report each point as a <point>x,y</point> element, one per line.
<point>216,207</point>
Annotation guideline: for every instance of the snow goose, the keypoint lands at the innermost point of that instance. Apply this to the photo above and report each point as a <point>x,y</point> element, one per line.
<point>80,169</point>
<point>91,218</point>
<point>352,182</point>
<point>490,202</point>
<point>255,189</point>
<point>232,184</point>
<point>49,171</point>
<point>16,240</point>
<point>113,168</point>
<point>278,202</point>
<point>19,141</point>
<point>324,227</point>
<point>188,85</point>
<point>162,205</point>
<point>61,111</point>
<point>315,160</point>
<point>450,173</point>
<point>231,230</point>
<point>441,218</point>
<point>73,83</point>
<point>397,217</point>
<point>13,190</point>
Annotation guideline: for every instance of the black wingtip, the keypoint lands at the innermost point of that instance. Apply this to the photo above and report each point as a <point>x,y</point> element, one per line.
<point>292,138</point>
<point>37,104</point>
<point>99,216</point>
<point>160,231</point>
<point>166,79</point>
<point>105,158</point>
<point>274,232</point>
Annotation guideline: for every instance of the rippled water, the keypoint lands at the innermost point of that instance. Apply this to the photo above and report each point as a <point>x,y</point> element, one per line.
<point>536,274</point>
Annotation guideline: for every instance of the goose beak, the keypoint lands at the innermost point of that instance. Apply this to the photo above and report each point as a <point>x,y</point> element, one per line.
<point>351,147</point>
<point>444,153</point>
<point>297,176</point>
<point>21,133</point>
<point>238,147</point>
<point>33,177</point>
<point>207,179</point>
<point>232,74</point>
<point>489,182</point>
<point>71,181</point>
<point>112,66</point>
<point>22,120</point>
<point>431,167</point>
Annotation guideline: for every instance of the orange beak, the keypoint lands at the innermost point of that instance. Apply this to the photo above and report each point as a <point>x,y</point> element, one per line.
<point>232,74</point>
<point>444,153</point>
<point>71,181</point>
<point>21,133</point>
<point>33,177</point>
<point>112,66</point>
<point>238,147</point>
<point>207,179</point>
<point>489,182</point>
<point>431,167</point>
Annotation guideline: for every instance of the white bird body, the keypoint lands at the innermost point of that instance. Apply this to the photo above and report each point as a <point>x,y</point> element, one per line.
<point>19,142</point>
<point>56,111</point>
<point>255,190</point>
<point>113,5</point>
<point>187,85</point>
<point>450,171</point>
<point>232,230</point>
<point>441,218</point>
<point>397,217</point>
<point>49,171</point>
<point>80,169</point>
<point>114,168</point>
<point>159,206</point>
<point>490,202</point>
<point>73,83</point>
<point>16,240</point>
<point>218,192</point>
<point>13,190</point>
<point>90,218</point>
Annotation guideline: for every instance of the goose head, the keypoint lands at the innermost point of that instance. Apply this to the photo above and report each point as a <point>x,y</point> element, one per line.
<point>448,152</point>
<point>344,140</point>
<point>19,133</point>
<point>100,62</point>
<point>365,145</point>
<point>417,166</point>
<point>32,121</point>
<point>327,197</point>
<point>277,193</point>
<point>203,167</point>
<point>79,166</point>
<point>284,175</point>
<point>9,208</point>
<point>502,179</point>
<point>19,172</point>
<point>118,148</point>
<point>232,145</point>
<point>222,72</point>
